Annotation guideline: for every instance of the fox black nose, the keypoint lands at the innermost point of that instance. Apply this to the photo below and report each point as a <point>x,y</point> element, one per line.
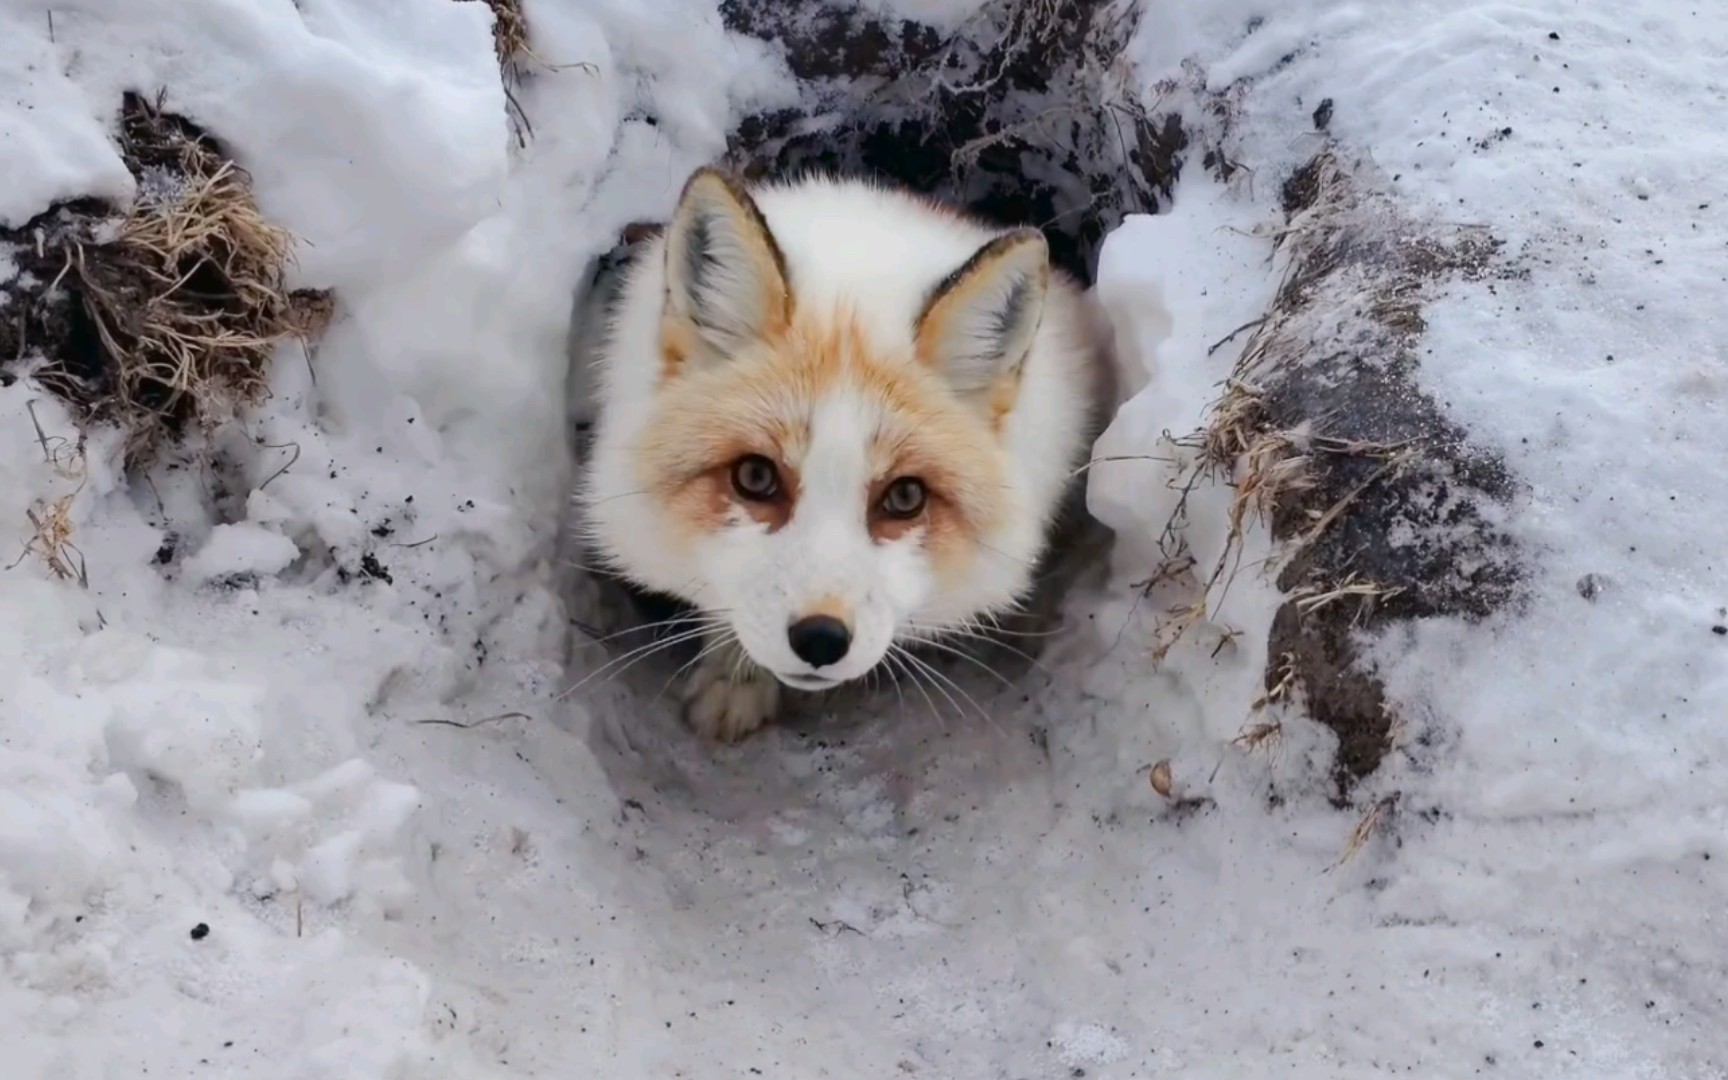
<point>819,640</point>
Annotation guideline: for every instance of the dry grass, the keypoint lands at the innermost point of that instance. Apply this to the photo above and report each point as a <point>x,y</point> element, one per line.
<point>1256,736</point>
<point>512,43</point>
<point>509,32</point>
<point>1289,678</point>
<point>1028,29</point>
<point>1323,519</point>
<point>1174,625</point>
<point>51,522</point>
<point>1312,598</point>
<point>1371,824</point>
<point>1271,468</point>
<point>184,300</point>
<point>1046,127</point>
<point>1263,466</point>
<point>51,540</point>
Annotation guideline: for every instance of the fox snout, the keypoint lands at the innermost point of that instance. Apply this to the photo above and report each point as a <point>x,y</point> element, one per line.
<point>810,644</point>
<point>821,633</point>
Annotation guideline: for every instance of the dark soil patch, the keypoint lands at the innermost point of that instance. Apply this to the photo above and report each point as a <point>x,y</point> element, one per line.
<point>373,570</point>
<point>1405,496</point>
<point>833,42</point>
<point>1010,117</point>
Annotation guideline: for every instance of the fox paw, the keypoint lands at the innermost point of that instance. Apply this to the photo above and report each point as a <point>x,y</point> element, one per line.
<point>728,697</point>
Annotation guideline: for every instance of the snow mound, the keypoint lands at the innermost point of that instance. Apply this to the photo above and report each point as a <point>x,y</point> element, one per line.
<point>290,785</point>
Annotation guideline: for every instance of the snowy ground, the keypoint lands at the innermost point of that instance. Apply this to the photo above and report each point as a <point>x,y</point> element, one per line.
<point>229,846</point>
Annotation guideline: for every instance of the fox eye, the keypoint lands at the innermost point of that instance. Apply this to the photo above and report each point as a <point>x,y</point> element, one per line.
<point>754,477</point>
<point>904,498</point>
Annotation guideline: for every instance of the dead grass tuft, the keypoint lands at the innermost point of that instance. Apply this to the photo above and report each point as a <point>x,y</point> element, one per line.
<point>51,522</point>
<point>512,43</point>
<point>168,314</point>
<point>1312,598</point>
<point>52,540</point>
<point>1174,625</point>
<point>1265,467</point>
<point>1282,688</point>
<point>1255,736</point>
<point>1324,436</point>
<point>1367,828</point>
<point>310,312</point>
<point>509,32</point>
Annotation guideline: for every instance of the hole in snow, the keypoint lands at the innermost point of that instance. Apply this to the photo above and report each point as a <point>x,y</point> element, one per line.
<point>1014,117</point>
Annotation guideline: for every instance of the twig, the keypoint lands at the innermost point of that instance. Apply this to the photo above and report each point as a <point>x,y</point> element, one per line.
<point>1221,342</point>
<point>281,446</point>
<point>470,725</point>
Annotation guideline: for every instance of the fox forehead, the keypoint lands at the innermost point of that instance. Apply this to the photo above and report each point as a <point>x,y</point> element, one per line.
<point>844,449</point>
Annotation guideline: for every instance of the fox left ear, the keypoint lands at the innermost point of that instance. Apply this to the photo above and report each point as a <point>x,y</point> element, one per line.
<point>977,326</point>
<point>725,277</point>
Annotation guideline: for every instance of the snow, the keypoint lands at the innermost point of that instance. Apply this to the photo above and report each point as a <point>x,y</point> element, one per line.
<point>241,548</point>
<point>288,790</point>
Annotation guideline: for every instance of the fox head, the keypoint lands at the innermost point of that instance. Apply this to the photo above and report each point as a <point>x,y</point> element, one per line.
<point>820,485</point>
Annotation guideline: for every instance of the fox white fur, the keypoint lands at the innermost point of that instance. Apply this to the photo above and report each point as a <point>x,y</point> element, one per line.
<point>918,388</point>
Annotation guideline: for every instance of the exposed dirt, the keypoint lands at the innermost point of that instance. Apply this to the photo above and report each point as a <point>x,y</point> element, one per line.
<point>1395,497</point>
<point>830,42</point>
<point>161,313</point>
<point>1011,116</point>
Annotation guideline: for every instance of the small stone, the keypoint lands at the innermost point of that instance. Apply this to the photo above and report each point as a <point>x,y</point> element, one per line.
<point>1161,779</point>
<point>200,932</point>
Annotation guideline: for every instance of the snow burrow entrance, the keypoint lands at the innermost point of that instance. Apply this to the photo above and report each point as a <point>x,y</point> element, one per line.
<point>1017,112</point>
<point>1010,116</point>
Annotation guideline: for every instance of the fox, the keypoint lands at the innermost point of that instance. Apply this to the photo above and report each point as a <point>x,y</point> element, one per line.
<point>835,418</point>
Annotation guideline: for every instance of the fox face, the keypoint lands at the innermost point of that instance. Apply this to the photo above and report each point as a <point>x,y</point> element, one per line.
<point>822,473</point>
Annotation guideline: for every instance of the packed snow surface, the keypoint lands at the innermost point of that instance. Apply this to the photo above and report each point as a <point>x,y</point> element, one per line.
<point>288,789</point>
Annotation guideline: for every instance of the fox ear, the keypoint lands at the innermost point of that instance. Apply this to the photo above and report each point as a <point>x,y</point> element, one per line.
<point>725,277</point>
<point>978,324</point>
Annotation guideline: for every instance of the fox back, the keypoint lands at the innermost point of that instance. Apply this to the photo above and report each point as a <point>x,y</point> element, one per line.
<point>835,416</point>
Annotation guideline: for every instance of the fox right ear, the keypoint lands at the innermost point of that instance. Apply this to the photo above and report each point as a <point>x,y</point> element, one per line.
<point>978,324</point>
<point>725,277</point>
